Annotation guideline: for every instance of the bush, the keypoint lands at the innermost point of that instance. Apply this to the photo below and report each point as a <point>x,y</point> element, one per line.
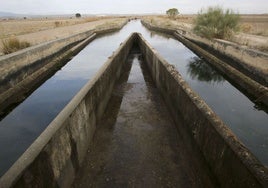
<point>13,44</point>
<point>172,13</point>
<point>78,15</point>
<point>216,23</point>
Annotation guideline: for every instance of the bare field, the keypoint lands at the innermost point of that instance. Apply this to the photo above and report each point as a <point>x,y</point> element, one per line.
<point>43,30</point>
<point>11,28</point>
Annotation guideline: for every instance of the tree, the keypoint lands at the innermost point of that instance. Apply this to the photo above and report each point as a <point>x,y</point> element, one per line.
<point>78,15</point>
<point>172,13</point>
<point>216,23</point>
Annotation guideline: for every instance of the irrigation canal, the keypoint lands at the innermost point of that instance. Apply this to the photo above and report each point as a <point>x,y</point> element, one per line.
<point>25,123</point>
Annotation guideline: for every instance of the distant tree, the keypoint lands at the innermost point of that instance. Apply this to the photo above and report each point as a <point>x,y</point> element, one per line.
<point>172,13</point>
<point>78,15</point>
<point>216,23</point>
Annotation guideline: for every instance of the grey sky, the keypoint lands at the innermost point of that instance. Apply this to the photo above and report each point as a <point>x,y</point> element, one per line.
<point>126,6</point>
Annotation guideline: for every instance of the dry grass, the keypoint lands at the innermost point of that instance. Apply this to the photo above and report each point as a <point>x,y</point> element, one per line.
<point>163,21</point>
<point>11,28</point>
<point>254,24</point>
<point>13,44</point>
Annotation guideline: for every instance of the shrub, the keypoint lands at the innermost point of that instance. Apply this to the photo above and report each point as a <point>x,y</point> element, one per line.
<point>172,13</point>
<point>57,23</point>
<point>78,15</point>
<point>13,44</point>
<point>216,23</point>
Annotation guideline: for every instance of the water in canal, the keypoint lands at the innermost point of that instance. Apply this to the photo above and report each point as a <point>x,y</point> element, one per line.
<point>23,125</point>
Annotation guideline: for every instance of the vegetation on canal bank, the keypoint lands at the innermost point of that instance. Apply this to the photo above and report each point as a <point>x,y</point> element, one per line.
<point>216,23</point>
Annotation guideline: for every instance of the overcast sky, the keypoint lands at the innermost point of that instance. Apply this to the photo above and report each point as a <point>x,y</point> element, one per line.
<point>126,6</point>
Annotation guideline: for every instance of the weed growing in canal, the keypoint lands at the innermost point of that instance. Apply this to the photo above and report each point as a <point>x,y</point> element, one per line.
<point>13,44</point>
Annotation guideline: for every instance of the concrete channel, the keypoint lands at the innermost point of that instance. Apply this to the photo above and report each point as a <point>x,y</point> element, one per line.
<point>63,145</point>
<point>136,144</point>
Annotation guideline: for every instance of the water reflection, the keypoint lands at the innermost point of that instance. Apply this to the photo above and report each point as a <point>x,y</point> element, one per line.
<point>199,70</point>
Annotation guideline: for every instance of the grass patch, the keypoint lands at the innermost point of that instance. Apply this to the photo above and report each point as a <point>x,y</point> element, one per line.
<point>13,44</point>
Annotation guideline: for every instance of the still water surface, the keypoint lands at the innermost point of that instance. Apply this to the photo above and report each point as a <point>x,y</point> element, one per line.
<point>25,123</point>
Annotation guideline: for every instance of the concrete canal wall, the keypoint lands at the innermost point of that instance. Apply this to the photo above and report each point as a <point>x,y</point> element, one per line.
<point>232,163</point>
<point>234,72</point>
<point>53,159</point>
<point>23,71</point>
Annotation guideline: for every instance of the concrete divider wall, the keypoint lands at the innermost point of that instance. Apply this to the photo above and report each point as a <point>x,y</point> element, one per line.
<point>251,62</point>
<point>257,92</point>
<point>53,159</point>
<point>231,162</point>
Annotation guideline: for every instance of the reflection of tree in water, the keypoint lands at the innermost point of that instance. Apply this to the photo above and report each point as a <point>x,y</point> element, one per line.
<point>202,71</point>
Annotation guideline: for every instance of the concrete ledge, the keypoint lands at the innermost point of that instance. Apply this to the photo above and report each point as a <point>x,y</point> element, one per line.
<point>246,59</point>
<point>23,88</point>
<point>19,65</point>
<point>231,162</point>
<point>53,159</point>
<point>250,62</point>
